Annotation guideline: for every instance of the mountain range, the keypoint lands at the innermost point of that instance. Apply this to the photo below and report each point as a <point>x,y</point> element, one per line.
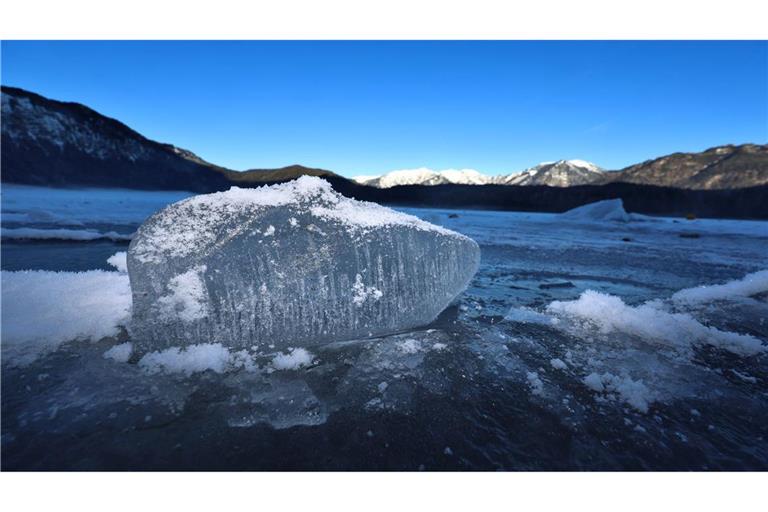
<point>60,144</point>
<point>562,173</point>
<point>722,167</point>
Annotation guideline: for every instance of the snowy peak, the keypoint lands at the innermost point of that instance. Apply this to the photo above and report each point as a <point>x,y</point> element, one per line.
<point>425,176</point>
<point>562,173</point>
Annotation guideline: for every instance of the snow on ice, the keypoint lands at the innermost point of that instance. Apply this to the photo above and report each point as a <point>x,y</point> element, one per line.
<point>42,309</point>
<point>294,359</point>
<point>751,284</point>
<point>119,260</point>
<point>84,235</point>
<point>608,313</point>
<point>189,360</point>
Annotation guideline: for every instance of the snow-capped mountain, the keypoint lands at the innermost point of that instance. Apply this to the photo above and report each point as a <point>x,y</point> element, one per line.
<point>425,176</point>
<point>562,173</point>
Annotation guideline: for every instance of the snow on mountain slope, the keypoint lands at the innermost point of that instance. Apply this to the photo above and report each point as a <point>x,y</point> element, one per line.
<point>562,173</point>
<point>425,176</point>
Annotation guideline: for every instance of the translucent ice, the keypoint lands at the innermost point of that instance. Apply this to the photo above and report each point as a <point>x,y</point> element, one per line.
<point>289,265</point>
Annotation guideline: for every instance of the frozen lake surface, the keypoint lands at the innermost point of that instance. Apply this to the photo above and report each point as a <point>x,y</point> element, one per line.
<point>578,345</point>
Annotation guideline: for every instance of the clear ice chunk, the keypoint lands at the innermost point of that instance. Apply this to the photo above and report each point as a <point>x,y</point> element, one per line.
<point>606,210</point>
<point>289,265</point>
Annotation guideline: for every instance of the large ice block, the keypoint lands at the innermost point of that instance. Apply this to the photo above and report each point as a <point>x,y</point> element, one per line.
<point>289,265</point>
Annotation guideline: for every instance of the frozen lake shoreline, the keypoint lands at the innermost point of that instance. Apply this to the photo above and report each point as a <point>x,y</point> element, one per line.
<point>504,379</point>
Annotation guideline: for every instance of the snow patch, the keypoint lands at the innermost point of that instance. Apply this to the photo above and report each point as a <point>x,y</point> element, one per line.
<point>194,224</point>
<point>188,360</point>
<point>41,309</point>
<point>751,284</point>
<point>119,260</point>
<point>649,321</point>
<point>293,360</point>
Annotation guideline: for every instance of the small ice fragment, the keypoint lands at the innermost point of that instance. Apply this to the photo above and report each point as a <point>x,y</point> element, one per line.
<point>558,364</point>
<point>633,392</point>
<point>534,382</point>
<point>527,316</point>
<point>120,353</point>
<point>594,382</point>
<point>606,210</point>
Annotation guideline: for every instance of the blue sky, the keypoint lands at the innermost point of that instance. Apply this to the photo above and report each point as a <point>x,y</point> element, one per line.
<point>371,107</point>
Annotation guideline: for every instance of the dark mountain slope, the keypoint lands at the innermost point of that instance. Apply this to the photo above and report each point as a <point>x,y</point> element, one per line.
<point>722,167</point>
<point>744,203</point>
<point>48,142</point>
<point>282,174</point>
<point>54,143</point>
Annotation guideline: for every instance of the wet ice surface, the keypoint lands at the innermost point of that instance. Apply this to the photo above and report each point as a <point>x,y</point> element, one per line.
<point>503,379</point>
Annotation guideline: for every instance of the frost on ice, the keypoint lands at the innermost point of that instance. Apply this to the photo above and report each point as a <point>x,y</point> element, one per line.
<point>289,265</point>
